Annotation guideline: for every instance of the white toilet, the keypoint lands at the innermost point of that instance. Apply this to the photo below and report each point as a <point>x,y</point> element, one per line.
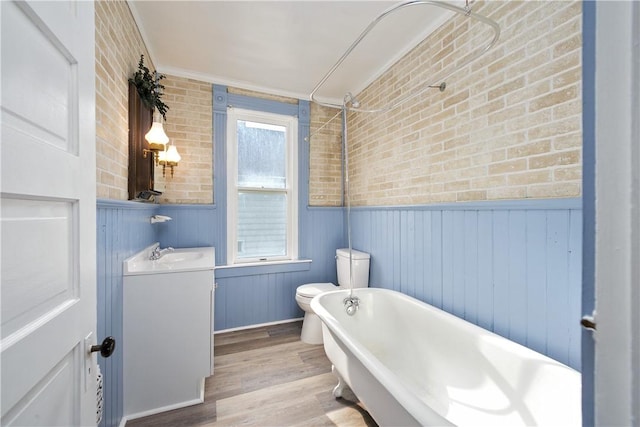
<point>312,325</point>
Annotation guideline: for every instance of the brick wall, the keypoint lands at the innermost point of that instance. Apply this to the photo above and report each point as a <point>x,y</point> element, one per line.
<point>508,125</point>
<point>189,122</point>
<point>325,156</point>
<point>118,49</point>
<point>189,127</point>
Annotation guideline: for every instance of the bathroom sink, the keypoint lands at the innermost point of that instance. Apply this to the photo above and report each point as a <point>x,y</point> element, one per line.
<point>180,257</point>
<point>184,259</point>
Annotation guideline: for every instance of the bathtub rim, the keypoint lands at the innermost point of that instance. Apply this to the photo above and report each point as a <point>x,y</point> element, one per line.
<point>384,375</point>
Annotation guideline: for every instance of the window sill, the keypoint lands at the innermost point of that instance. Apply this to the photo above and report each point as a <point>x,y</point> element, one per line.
<point>254,269</point>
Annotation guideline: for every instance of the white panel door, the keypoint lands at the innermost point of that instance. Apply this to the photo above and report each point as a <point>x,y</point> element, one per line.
<point>617,205</point>
<point>47,205</point>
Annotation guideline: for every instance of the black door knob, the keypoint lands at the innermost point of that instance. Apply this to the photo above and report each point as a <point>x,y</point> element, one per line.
<point>106,348</point>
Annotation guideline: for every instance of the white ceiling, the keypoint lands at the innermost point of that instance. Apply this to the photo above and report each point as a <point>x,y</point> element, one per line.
<point>280,47</point>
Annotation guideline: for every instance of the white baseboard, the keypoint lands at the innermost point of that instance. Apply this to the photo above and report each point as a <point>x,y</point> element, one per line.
<point>242,328</point>
<point>154,411</point>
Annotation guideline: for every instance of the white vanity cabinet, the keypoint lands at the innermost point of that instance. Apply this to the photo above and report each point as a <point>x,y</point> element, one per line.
<point>168,331</point>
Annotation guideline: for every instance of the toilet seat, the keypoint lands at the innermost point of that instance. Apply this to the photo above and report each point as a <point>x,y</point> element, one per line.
<point>312,325</point>
<point>310,290</point>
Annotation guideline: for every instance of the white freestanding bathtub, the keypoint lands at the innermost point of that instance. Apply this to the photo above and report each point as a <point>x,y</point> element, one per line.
<point>411,363</point>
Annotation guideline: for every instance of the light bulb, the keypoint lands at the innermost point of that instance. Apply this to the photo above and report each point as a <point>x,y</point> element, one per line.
<point>156,135</point>
<point>172,154</point>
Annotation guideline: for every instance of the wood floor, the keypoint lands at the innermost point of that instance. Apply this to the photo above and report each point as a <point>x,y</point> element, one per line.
<point>267,377</point>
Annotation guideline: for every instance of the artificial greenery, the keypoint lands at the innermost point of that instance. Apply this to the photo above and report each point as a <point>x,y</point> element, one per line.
<point>149,87</point>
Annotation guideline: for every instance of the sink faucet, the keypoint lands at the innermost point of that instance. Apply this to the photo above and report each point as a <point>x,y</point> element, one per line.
<point>158,253</point>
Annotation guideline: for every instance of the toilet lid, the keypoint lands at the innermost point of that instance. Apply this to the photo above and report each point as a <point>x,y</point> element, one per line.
<point>312,289</point>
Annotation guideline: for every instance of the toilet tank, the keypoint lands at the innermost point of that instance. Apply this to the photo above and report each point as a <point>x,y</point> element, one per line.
<point>360,268</point>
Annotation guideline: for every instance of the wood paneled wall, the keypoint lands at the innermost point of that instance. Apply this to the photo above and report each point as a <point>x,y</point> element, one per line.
<point>510,267</point>
<point>123,228</point>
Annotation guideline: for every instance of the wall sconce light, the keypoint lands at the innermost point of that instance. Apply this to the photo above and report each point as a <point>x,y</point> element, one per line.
<point>156,137</point>
<point>170,158</point>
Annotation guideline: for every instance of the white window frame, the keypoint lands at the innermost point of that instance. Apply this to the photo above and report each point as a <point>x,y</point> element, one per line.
<point>290,190</point>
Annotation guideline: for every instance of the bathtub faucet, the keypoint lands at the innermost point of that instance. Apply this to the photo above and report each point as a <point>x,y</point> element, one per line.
<point>351,304</point>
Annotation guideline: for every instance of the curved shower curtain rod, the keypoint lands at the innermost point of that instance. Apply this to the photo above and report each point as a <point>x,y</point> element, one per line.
<point>349,99</point>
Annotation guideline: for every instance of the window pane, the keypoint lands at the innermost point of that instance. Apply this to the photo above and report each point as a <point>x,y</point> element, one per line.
<point>261,155</point>
<point>262,224</point>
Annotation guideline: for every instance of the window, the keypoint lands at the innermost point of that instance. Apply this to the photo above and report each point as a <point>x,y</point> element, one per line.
<point>262,195</point>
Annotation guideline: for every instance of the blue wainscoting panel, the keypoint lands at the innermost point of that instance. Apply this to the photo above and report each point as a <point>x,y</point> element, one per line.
<point>251,300</point>
<point>485,268</point>
<point>123,228</point>
<point>191,226</point>
<point>511,267</point>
